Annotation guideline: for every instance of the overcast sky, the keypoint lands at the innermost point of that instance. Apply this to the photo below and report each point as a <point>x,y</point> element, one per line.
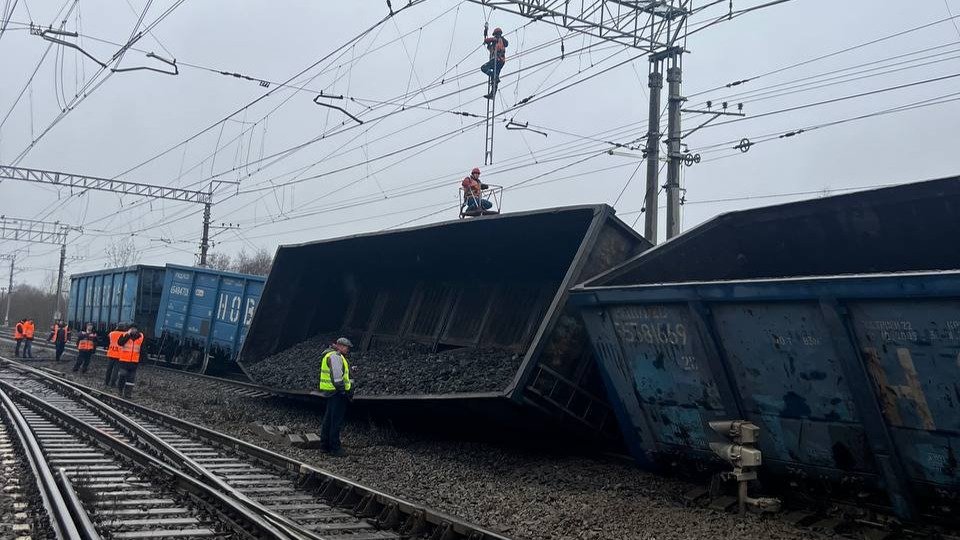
<point>403,165</point>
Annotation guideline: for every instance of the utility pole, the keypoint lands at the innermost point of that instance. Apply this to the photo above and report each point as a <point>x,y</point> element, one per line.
<point>205,237</point>
<point>6,314</point>
<point>653,152</point>
<point>63,259</point>
<point>674,77</point>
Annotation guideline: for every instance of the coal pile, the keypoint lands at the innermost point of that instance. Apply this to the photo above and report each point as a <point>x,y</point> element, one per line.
<point>406,368</point>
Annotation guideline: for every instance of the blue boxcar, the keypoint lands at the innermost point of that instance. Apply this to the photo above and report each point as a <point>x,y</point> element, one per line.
<point>106,297</point>
<point>854,379</point>
<point>205,314</point>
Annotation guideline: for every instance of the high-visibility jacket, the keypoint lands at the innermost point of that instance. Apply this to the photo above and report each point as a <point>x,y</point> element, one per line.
<point>28,329</point>
<point>59,333</point>
<point>18,331</point>
<point>497,47</point>
<point>87,341</point>
<point>326,379</point>
<point>113,351</point>
<point>130,351</point>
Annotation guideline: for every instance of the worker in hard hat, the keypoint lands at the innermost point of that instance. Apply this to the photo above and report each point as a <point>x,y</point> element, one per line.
<point>473,192</point>
<point>497,46</point>
<point>336,386</point>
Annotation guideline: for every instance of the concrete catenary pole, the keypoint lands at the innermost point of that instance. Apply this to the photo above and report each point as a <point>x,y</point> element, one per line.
<point>6,313</point>
<point>653,153</point>
<point>63,259</point>
<point>673,146</point>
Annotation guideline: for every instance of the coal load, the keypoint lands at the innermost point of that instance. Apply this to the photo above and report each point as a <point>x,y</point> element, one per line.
<point>406,368</point>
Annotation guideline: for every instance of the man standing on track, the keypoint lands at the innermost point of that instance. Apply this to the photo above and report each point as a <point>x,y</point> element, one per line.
<point>336,386</point>
<point>129,359</point>
<point>58,335</point>
<point>18,337</point>
<point>113,355</point>
<point>28,330</point>
<point>86,344</point>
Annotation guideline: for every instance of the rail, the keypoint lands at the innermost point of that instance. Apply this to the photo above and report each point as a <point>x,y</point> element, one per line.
<point>60,510</point>
<point>179,443</point>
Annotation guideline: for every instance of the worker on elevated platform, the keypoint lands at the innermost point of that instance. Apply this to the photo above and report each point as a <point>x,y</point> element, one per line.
<point>58,335</point>
<point>86,344</point>
<point>497,46</point>
<point>473,192</point>
<point>113,355</point>
<point>335,385</point>
<point>18,337</point>
<point>129,359</point>
<point>28,330</point>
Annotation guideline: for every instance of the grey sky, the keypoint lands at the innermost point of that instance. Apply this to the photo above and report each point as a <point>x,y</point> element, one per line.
<point>346,186</point>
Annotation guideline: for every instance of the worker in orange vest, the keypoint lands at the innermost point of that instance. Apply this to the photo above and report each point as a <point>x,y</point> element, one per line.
<point>28,329</point>
<point>130,343</point>
<point>86,344</point>
<point>497,46</point>
<point>473,192</point>
<point>18,337</point>
<point>59,335</point>
<point>113,355</point>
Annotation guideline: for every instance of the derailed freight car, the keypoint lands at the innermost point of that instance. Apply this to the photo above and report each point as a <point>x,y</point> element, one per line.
<point>204,316</point>
<point>106,297</point>
<point>851,378</point>
<point>495,283</point>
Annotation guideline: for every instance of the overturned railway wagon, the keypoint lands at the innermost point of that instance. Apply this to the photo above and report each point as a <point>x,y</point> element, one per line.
<point>204,315</point>
<point>497,283</point>
<point>853,377</point>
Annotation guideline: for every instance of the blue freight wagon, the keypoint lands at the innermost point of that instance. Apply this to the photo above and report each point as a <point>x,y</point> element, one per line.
<point>106,297</point>
<point>204,315</point>
<point>853,380</point>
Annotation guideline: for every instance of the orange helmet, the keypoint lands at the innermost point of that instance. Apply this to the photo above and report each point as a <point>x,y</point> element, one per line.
<point>476,170</point>
<point>497,31</point>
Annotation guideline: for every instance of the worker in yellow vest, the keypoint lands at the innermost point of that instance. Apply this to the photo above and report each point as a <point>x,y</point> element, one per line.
<point>113,355</point>
<point>130,343</point>
<point>335,385</point>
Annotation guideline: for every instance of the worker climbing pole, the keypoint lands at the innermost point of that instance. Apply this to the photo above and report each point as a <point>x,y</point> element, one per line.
<point>497,47</point>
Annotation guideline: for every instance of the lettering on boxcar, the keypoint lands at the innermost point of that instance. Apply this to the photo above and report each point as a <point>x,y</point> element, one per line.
<point>652,333</point>
<point>179,290</point>
<point>251,305</point>
<point>893,330</point>
<point>235,309</point>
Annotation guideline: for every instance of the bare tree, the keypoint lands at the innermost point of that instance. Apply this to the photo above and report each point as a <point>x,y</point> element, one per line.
<point>122,252</point>
<point>257,263</point>
<point>220,261</point>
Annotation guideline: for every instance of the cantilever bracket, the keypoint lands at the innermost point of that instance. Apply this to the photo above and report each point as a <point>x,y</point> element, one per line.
<point>516,126</point>
<point>171,63</point>
<point>48,34</point>
<point>341,109</point>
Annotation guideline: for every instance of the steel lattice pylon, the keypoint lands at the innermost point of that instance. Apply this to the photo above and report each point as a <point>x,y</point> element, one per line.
<point>639,24</point>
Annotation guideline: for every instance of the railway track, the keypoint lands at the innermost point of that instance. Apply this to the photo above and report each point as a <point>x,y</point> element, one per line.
<point>137,473</point>
<point>242,388</point>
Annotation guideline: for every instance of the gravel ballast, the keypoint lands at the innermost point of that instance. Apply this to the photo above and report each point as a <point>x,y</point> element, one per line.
<point>523,494</point>
<point>406,368</point>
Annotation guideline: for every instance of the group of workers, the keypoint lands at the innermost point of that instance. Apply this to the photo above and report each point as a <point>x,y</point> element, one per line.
<point>123,351</point>
<point>23,335</point>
